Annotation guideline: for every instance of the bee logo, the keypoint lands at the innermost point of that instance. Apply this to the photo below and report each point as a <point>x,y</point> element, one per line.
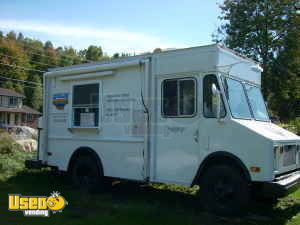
<point>56,202</point>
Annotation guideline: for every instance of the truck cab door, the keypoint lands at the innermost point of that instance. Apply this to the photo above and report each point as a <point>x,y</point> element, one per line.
<point>177,130</point>
<point>212,128</point>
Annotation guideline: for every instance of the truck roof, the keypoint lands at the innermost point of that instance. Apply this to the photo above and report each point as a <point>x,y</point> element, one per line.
<point>203,59</point>
<point>142,56</point>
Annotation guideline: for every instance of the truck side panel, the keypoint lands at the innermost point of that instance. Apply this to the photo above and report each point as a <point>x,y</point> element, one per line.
<point>118,140</point>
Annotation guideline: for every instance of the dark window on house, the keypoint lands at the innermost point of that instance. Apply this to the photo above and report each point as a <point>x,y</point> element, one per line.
<point>86,105</point>
<point>30,117</point>
<point>209,102</point>
<point>13,101</point>
<point>2,117</point>
<point>179,98</point>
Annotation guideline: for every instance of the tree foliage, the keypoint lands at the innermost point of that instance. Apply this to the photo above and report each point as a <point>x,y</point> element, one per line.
<point>23,58</point>
<point>268,32</point>
<point>94,53</point>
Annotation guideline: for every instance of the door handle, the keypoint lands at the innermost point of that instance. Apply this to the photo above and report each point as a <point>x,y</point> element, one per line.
<point>196,136</point>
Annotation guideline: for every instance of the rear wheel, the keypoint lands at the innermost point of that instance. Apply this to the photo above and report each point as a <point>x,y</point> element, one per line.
<point>86,174</point>
<point>224,190</point>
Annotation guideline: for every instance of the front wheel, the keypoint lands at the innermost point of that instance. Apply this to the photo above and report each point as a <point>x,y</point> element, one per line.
<point>224,190</point>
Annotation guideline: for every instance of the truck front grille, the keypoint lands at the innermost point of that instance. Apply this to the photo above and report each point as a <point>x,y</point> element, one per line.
<point>290,155</point>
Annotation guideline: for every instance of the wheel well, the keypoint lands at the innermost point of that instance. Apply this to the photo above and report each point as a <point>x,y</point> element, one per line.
<point>221,158</point>
<point>83,151</point>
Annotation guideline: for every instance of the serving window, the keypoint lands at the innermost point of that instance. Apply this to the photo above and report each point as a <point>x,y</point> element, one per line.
<point>85,105</point>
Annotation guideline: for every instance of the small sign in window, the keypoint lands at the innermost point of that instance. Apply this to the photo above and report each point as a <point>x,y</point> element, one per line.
<point>87,119</point>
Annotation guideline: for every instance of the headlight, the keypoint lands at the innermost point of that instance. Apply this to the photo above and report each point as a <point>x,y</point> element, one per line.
<point>278,150</point>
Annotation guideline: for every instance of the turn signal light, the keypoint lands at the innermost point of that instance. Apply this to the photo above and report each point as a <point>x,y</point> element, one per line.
<point>255,169</point>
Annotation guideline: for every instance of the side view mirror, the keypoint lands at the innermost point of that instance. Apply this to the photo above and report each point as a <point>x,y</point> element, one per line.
<point>216,95</point>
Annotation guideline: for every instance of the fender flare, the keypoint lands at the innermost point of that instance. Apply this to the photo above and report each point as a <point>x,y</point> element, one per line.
<point>223,156</point>
<point>85,151</point>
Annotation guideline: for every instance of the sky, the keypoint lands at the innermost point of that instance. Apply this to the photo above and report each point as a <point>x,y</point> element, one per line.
<point>129,26</point>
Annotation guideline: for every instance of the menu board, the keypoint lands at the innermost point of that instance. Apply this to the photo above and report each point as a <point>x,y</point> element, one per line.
<point>87,119</point>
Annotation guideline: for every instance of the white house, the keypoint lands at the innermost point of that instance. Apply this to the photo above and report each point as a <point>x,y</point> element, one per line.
<point>13,112</point>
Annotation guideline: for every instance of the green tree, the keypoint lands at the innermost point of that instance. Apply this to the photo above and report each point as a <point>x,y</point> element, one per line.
<point>26,57</point>
<point>82,54</point>
<point>157,50</point>
<point>256,29</point>
<point>11,36</point>
<point>8,85</point>
<point>68,56</point>
<point>13,61</point>
<point>18,87</point>
<point>259,29</point>
<point>37,95</point>
<point>34,93</point>
<point>48,45</point>
<point>1,34</point>
<point>35,52</point>
<point>286,77</point>
<point>20,37</point>
<point>94,53</point>
<point>116,55</point>
<point>121,55</point>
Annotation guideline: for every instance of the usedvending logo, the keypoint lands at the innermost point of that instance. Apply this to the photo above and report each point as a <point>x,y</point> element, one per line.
<point>37,205</point>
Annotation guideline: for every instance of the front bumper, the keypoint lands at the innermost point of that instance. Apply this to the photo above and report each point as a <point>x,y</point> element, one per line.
<point>282,185</point>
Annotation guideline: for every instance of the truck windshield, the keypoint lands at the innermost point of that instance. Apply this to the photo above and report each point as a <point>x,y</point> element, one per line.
<point>257,103</point>
<point>236,96</point>
<point>237,99</point>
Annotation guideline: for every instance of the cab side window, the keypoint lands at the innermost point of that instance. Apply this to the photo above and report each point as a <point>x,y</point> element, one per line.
<point>209,102</point>
<point>179,97</point>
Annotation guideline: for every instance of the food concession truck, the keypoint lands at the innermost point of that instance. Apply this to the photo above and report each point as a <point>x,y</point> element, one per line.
<point>193,116</point>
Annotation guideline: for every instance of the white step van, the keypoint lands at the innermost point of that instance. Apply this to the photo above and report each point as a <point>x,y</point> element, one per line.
<point>186,116</point>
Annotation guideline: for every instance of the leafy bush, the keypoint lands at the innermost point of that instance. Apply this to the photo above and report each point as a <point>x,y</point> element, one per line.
<point>293,126</point>
<point>297,125</point>
<point>12,156</point>
<point>8,145</point>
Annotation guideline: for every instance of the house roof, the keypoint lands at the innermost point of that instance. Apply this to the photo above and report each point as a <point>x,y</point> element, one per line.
<point>29,110</point>
<point>9,92</point>
<point>25,109</point>
<point>15,110</point>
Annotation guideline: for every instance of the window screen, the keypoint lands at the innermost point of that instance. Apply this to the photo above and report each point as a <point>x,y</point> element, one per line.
<point>209,102</point>
<point>178,97</point>
<point>86,105</point>
<point>86,95</point>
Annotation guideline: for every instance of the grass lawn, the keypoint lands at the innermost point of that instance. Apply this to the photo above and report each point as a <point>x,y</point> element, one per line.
<point>131,203</point>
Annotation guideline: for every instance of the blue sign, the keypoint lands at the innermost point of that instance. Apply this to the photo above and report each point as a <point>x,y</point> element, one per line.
<point>60,100</point>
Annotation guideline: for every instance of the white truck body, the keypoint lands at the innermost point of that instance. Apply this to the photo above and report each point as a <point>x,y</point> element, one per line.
<point>132,137</point>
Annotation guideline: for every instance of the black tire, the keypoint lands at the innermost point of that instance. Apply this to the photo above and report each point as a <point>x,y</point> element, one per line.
<point>86,174</point>
<point>224,190</point>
